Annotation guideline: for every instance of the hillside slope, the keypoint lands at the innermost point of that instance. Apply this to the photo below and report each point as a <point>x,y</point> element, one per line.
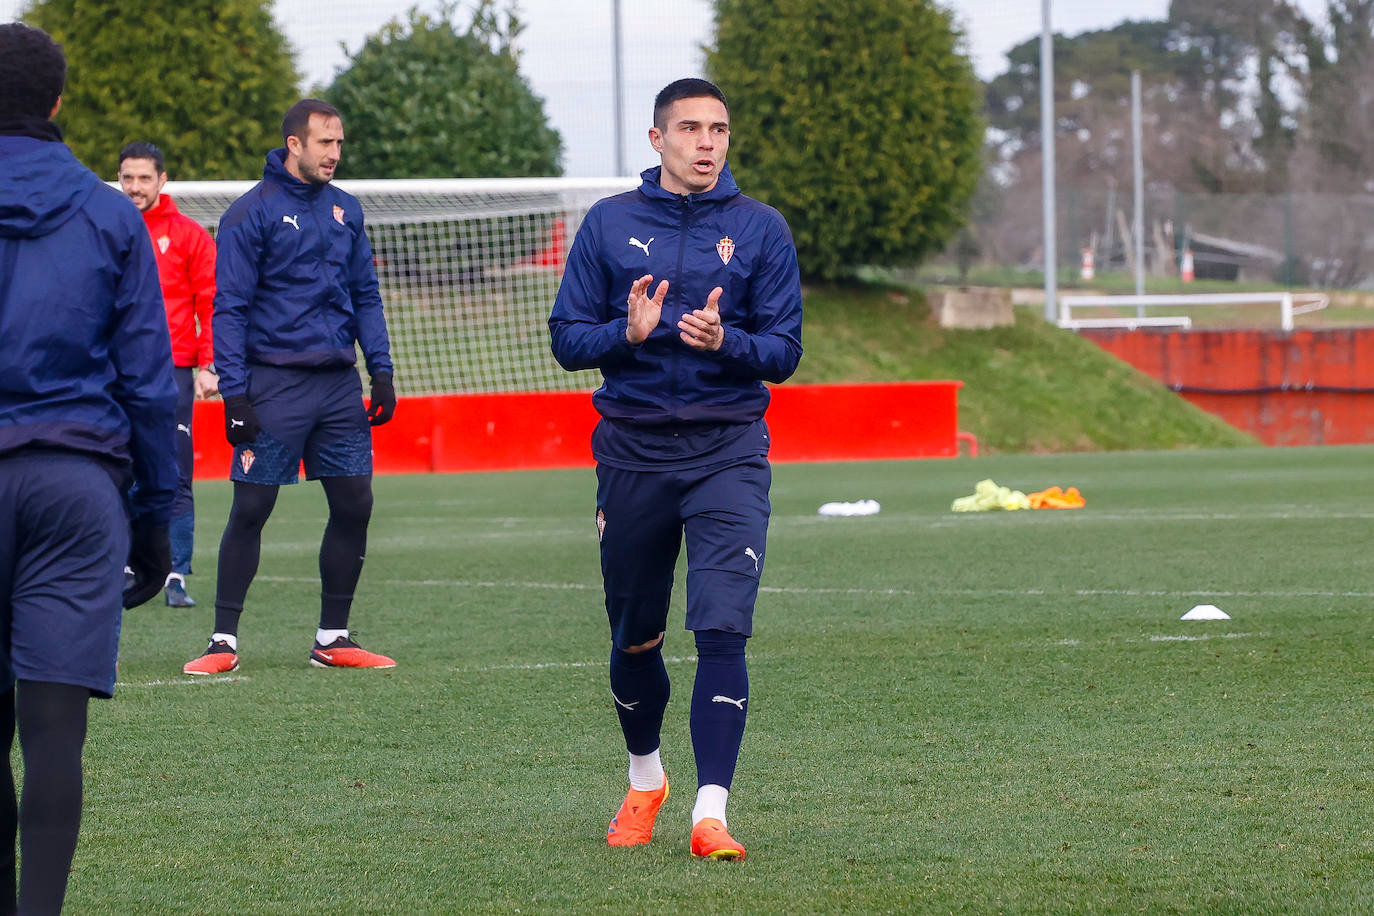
<point>1027,388</point>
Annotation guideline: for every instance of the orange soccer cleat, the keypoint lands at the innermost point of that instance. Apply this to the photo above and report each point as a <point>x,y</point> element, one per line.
<point>345,653</point>
<point>218,659</point>
<point>710,840</point>
<point>633,824</point>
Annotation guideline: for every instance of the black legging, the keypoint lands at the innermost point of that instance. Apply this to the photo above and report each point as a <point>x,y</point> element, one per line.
<point>343,546</point>
<point>341,549</point>
<point>52,730</point>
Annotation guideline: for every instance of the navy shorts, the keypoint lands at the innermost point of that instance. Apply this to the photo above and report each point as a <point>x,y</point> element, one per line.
<point>315,415</point>
<point>641,517</point>
<point>64,537</point>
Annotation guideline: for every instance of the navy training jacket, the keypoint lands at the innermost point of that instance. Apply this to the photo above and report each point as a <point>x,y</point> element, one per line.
<point>295,285</point>
<point>695,242</point>
<point>85,359</point>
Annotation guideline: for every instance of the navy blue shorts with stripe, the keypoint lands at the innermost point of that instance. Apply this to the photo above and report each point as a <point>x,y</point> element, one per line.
<point>642,517</point>
<point>310,415</point>
<point>64,537</point>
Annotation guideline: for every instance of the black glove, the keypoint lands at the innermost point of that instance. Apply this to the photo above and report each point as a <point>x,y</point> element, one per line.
<point>150,560</point>
<point>240,422</point>
<point>383,402</point>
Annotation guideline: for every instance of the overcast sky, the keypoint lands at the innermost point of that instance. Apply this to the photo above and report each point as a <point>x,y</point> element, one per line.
<point>566,52</point>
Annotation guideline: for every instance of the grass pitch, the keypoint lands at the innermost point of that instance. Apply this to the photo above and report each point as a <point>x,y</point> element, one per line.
<point>950,713</point>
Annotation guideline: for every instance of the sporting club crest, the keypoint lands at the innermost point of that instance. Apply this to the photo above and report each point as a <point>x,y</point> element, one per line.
<point>338,214</point>
<point>163,244</point>
<point>246,458</point>
<point>600,524</point>
<point>726,249</point>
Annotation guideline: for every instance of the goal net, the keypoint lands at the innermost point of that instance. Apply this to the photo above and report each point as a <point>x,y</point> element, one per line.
<point>468,270</point>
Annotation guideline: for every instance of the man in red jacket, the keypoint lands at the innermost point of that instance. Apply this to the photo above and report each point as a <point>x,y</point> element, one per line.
<point>186,266</point>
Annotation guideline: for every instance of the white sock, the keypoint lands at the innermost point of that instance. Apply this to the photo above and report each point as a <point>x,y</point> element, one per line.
<point>177,576</point>
<point>230,638</point>
<point>325,637</point>
<point>646,771</point>
<point>711,800</point>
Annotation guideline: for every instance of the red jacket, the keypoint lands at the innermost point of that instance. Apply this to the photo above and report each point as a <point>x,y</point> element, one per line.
<point>186,266</point>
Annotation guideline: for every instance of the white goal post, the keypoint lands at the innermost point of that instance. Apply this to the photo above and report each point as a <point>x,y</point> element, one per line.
<point>1289,303</point>
<point>468,270</point>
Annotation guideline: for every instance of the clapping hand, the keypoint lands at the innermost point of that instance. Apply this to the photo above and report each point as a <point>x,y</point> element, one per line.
<point>644,312</point>
<point>701,328</point>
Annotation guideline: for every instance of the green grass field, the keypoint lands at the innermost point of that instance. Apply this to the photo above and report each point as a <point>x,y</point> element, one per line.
<point>997,712</point>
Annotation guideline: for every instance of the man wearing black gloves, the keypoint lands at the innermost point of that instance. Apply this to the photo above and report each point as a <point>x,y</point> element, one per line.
<point>87,407</point>
<point>295,289</point>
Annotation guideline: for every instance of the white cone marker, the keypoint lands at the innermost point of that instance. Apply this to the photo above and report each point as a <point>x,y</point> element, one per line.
<point>1206,612</point>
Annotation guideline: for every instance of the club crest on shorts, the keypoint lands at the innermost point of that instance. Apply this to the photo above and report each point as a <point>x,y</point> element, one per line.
<point>726,249</point>
<point>246,459</point>
<point>163,243</point>
<point>338,214</point>
<point>600,524</point>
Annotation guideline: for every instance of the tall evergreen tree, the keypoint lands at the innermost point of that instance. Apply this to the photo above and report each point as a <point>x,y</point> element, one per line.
<point>205,80</point>
<point>1338,149</point>
<point>424,99</point>
<point>1254,43</point>
<point>1224,85</point>
<point>858,120</point>
<point>1092,92</point>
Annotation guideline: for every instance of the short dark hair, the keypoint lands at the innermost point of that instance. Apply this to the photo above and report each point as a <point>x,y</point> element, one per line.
<point>297,121</point>
<point>33,71</point>
<point>689,88</point>
<point>141,149</point>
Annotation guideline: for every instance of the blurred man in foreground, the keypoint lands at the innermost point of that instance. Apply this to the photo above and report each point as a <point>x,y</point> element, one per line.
<point>86,409</point>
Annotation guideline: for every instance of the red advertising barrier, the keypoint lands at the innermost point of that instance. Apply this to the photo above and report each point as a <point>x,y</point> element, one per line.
<point>864,422</point>
<point>535,430</point>
<point>1310,387</point>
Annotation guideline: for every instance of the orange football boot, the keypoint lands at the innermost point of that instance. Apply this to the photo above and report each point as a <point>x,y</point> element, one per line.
<point>345,653</point>
<point>710,840</point>
<point>633,824</point>
<point>218,659</point>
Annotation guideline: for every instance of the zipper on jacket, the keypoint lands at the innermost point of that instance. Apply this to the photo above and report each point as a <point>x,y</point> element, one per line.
<point>680,297</point>
<point>323,304</point>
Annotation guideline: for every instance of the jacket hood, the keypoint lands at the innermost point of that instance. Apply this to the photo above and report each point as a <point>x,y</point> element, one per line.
<point>724,189</point>
<point>275,171</point>
<point>42,185</point>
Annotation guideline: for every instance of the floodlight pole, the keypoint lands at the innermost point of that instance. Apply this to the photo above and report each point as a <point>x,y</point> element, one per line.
<point>1138,226</point>
<point>617,78</point>
<point>1047,161</point>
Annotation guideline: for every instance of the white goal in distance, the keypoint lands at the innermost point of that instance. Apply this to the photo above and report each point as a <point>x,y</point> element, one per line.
<point>1164,310</point>
<point>468,270</point>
